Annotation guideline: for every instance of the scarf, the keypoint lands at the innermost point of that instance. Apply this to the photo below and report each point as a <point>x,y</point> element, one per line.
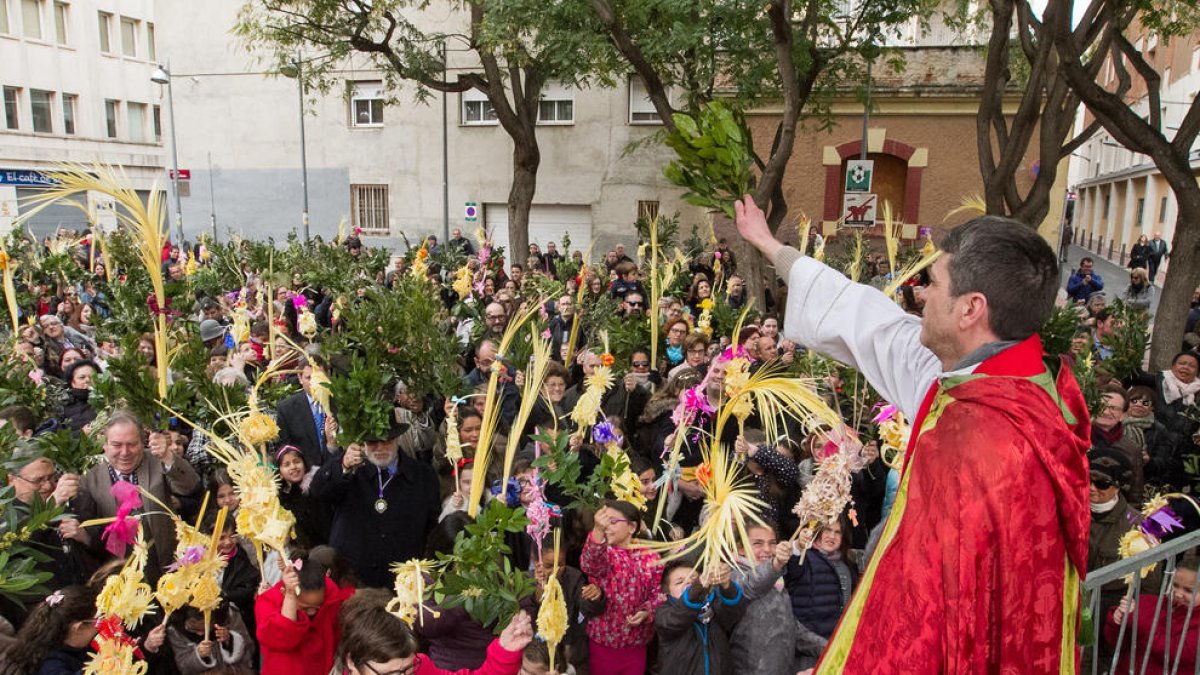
<point>674,354</point>
<point>1142,423</point>
<point>1111,436</point>
<point>1174,390</point>
<point>1105,507</point>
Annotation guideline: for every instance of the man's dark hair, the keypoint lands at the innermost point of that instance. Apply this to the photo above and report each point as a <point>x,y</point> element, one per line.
<point>1011,265</point>
<point>1086,259</point>
<point>1103,315</point>
<point>1118,390</point>
<point>20,417</point>
<point>625,268</point>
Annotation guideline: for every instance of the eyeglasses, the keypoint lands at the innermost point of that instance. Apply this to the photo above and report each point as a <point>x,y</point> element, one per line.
<point>495,317</point>
<point>37,482</point>
<point>1140,401</point>
<point>698,350</point>
<point>613,521</point>
<point>407,670</point>
<point>634,303</point>
<point>1102,483</point>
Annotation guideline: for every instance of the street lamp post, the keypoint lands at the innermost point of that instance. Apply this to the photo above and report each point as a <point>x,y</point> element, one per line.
<point>303,150</point>
<point>445,155</point>
<point>162,75</point>
<point>294,69</point>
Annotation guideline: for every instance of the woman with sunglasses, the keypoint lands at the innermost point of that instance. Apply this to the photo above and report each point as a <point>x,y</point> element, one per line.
<point>1162,464</point>
<point>629,577</point>
<point>375,642</point>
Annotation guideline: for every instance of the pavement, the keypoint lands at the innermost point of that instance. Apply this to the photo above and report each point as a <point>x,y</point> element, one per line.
<point>1115,277</point>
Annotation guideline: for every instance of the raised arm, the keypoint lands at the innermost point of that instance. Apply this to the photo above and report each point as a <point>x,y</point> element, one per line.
<point>850,322</point>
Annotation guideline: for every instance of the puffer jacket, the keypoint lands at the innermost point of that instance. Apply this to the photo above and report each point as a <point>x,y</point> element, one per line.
<point>820,590</point>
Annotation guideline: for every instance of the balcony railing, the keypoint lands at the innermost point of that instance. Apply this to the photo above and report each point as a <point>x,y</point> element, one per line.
<point>1130,643</point>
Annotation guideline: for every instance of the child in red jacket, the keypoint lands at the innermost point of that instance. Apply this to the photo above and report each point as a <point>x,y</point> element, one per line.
<point>298,621</point>
<point>375,641</point>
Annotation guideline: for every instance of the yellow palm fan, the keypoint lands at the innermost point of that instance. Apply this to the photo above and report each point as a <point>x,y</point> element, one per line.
<point>453,442</point>
<point>7,268</point>
<point>674,457</point>
<point>260,517</point>
<point>126,595</point>
<point>491,409</point>
<point>144,219</point>
<point>891,235</point>
<point>115,657</point>
<point>776,394</point>
<point>102,240</point>
<point>854,270</point>
<point>409,586</point>
<point>900,277</point>
<point>655,294</point>
<point>341,231</point>
<point>625,484</point>
<point>804,226</point>
<point>552,615</point>
<point>579,293</point>
<point>206,593</point>
<point>534,376</point>
<point>730,501</point>
<point>972,205</point>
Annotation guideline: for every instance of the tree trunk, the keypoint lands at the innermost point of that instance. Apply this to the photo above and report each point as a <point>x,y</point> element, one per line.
<point>1184,276</point>
<point>526,159</point>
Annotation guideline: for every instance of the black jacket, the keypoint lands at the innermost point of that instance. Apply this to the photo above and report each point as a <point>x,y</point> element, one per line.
<point>372,541</point>
<point>693,632</point>
<point>297,427</point>
<point>819,594</point>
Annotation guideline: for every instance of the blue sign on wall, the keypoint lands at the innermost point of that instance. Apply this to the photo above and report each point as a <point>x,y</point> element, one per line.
<point>26,177</point>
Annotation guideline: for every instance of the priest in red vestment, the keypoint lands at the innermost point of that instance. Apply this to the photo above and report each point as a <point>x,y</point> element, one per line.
<point>979,564</point>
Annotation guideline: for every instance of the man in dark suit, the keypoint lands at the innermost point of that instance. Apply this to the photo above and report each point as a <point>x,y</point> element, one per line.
<point>159,472</point>
<point>1158,251</point>
<point>304,423</point>
<point>384,505</point>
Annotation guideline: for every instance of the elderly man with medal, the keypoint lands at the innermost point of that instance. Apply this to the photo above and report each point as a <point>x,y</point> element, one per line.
<point>384,503</point>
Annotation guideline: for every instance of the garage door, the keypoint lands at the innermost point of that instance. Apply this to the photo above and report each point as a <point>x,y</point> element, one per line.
<point>547,222</point>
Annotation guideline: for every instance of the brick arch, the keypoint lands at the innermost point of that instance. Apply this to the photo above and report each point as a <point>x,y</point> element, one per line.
<point>912,185</point>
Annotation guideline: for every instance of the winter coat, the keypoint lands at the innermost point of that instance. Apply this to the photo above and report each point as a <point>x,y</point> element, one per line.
<point>693,631</point>
<point>1138,297</point>
<point>1145,620</point>
<point>64,661</point>
<point>499,662</point>
<point>1163,470</point>
<point>1079,291</point>
<point>78,412</point>
<point>312,515</point>
<point>630,579</point>
<point>232,658</point>
<point>1132,447</point>
<point>456,641</point>
<point>820,590</point>
<point>369,540</point>
<point>1139,256</point>
<point>239,585</point>
<point>1104,538</point>
<point>305,646</point>
<point>579,611</point>
<point>765,641</point>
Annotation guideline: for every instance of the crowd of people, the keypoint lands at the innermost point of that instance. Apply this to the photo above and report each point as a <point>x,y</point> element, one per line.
<point>397,496</point>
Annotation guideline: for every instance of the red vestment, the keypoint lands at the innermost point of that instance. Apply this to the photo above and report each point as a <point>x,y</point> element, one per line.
<point>978,567</point>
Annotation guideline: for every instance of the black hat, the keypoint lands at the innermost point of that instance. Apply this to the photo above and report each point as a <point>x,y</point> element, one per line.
<point>394,430</point>
<point>1111,464</point>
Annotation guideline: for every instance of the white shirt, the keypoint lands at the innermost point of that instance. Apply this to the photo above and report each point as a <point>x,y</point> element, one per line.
<point>861,327</point>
